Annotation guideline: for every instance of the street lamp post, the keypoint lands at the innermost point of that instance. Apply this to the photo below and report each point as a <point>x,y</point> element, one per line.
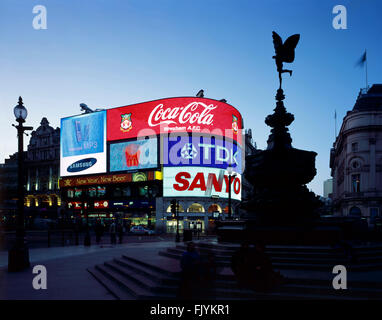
<point>87,241</point>
<point>150,197</point>
<point>177,221</point>
<point>230,176</point>
<point>18,255</point>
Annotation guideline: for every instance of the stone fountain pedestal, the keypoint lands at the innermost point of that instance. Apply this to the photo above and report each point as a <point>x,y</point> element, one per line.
<point>281,209</point>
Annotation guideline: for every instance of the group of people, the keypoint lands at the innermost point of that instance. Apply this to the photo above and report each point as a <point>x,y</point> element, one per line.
<point>197,275</point>
<point>114,229</point>
<point>251,266</point>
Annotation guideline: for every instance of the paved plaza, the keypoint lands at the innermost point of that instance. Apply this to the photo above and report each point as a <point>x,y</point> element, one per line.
<point>66,271</point>
<point>68,278</point>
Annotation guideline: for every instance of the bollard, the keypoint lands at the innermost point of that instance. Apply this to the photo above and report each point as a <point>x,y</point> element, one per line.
<point>63,238</point>
<point>76,238</point>
<point>48,238</point>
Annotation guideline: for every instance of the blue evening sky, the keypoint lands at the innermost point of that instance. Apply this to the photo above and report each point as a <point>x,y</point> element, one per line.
<point>109,53</point>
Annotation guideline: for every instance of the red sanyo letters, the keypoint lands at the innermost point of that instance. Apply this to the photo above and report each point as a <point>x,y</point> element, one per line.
<point>200,182</point>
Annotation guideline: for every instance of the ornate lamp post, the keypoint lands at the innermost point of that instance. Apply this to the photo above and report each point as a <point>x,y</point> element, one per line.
<point>230,176</point>
<point>18,255</point>
<point>150,195</point>
<point>87,241</point>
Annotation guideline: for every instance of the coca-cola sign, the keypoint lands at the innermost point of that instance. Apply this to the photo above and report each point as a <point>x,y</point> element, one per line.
<point>173,115</point>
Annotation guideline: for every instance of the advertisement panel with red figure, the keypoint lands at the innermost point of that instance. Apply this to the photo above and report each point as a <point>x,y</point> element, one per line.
<point>173,115</point>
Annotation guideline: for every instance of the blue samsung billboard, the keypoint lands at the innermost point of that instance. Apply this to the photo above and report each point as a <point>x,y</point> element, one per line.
<point>201,151</point>
<point>134,155</point>
<point>83,144</point>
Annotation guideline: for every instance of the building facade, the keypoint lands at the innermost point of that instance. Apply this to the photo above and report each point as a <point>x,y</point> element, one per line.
<point>42,159</point>
<point>41,174</point>
<point>356,158</point>
<point>8,188</point>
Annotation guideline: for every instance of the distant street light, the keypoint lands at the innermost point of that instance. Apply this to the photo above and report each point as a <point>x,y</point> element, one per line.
<point>18,255</point>
<point>230,176</point>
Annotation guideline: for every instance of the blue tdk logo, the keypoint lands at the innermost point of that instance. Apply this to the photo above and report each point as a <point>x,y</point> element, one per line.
<point>81,165</point>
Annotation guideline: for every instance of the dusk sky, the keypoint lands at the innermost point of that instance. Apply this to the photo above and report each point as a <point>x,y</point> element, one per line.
<point>109,53</point>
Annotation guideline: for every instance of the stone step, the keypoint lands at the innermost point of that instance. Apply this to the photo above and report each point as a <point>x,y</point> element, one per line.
<point>130,285</point>
<point>235,294</point>
<point>124,289</point>
<point>297,265</point>
<point>149,272</point>
<point>130,278</point>
<point>110,285</point>
<point>142,280</point>
<point>229,253</point>
<point>361,293</point>
<point>292,249</point>
<point>281,257</point>
<point>157,268</point>
<point>284,258</point>
<point>288,252</point>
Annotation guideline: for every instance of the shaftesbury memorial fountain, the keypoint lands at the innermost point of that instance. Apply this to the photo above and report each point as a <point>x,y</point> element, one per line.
<point>281,209</point>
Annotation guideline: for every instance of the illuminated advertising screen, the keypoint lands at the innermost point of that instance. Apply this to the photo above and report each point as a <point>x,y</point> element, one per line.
<point>134,155</point>
<point>204,151</point>
<point>83,144</point>
<point>199,182</point>
<point>185,114</point>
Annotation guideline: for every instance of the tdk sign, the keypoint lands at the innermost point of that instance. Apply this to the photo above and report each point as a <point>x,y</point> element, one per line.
<point>201,151</point>
<point>82,165</point>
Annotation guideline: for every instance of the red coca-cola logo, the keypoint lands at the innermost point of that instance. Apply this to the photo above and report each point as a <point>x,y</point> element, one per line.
<point>175,115</point>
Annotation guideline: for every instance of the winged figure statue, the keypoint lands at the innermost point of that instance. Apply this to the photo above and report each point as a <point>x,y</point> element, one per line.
<point>284,52</point>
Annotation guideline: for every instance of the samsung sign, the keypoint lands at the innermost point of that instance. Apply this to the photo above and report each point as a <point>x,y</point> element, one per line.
<point>81,165</point>
<point>83,144</point>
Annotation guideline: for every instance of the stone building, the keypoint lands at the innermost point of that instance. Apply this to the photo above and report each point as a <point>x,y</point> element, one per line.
<point>42,162</point>
<point>356,158</point>
<point>8,187</point>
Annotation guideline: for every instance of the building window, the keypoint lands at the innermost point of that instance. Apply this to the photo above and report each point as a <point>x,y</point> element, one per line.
<point>355,164</point>
<point>195,207</point>
<point>374,213</point>
<point>180,208</point>
<point>354,147</point>
<point>356,183</point>
<point>355,211</point>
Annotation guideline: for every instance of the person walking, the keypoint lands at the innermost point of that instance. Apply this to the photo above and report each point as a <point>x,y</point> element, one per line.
<point>240,264</point>
<point>190,273</point>
<point>263,277</point>
<point>120,232</point>
<point>98,231</point>
<point>113,238</point>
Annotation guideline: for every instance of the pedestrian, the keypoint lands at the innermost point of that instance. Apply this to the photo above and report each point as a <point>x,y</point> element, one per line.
<point>190,273</point>
<point>113,238</point>
<point>262,278</point>
<point>98,231</point>
<point>209,272</point>
<point>240,265</point>
<point>120,232</point>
